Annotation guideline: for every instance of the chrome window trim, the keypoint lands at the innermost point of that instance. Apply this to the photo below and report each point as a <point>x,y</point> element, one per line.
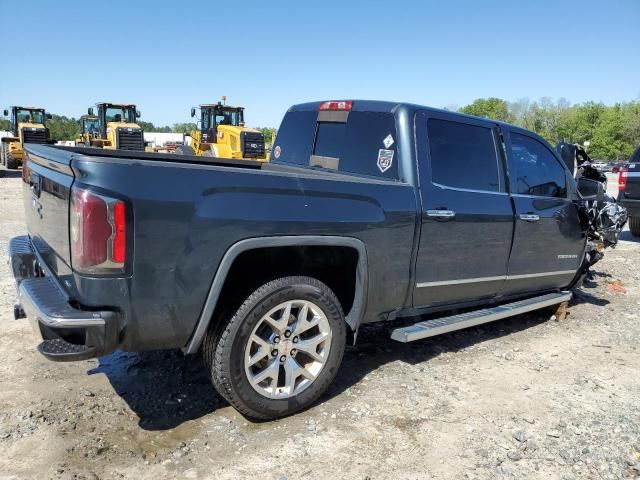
<point>468,189</point>
<point>494,279</point>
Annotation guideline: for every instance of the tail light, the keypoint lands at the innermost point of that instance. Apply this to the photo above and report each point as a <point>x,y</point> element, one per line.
<point>336,105</point>
<point>98,233</point>
<point>622,179</point>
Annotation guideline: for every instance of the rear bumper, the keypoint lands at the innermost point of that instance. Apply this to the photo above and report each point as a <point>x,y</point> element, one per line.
<point>69,332</point>
<point>632,206</point>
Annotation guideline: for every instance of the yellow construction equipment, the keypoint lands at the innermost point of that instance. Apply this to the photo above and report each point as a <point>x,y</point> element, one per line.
<point>222,134</point>
<point>89,130</point>
<point>27,126</point>
<point>117,127</point>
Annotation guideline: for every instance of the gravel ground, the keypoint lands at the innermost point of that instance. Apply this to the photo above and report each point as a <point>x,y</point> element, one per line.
<point>527,397</point>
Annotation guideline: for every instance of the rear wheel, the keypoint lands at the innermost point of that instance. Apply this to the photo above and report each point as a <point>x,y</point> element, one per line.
<point>634,225</point>
<point>280,350</point>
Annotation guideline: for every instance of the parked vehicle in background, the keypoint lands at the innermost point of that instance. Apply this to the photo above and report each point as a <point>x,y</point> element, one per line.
<point>27,126</point>
<point>222,133</point>
<point>113,126</point>
<point>367,211</point>
<point>616,166</point>
<point>600,165</point>
<point>629,191</point>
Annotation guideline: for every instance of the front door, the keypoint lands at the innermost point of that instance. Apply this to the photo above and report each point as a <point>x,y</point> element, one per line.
<point>467,216</point>
<point>549,240</point>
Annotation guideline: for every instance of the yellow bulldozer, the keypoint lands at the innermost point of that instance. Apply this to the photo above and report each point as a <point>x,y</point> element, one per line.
<point>28,125</point>
<point>113,127</point>
<point>222,134</point>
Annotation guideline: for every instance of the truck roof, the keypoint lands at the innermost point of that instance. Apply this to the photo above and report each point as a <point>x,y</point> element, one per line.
<point>388,107</point>
<point>117,104</point>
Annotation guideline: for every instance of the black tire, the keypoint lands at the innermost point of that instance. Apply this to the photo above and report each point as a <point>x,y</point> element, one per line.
<point>634,226</point>
<point>12,163</point>
<point>184,150</point>
<point>225,343</point>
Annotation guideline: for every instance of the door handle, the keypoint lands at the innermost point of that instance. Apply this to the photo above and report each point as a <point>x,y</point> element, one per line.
<point>441,213</point>
<point>529,217</point>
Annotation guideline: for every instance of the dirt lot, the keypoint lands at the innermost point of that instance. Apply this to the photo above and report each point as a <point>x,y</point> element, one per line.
<point>528,397</point>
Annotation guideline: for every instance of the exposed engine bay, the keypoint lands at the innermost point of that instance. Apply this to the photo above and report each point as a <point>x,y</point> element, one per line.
<point>603,215</point>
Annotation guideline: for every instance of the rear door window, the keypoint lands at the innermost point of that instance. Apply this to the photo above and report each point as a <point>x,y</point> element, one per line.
<point>537,171</point>
<point>463,156</point>
<point>366,144</point>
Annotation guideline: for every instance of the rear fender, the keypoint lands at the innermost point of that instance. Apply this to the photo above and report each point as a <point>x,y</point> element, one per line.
<point>353,318</point>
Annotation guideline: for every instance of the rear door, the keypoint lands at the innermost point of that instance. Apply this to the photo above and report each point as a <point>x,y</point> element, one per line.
<point>549,240</point>
<point>467,217</point>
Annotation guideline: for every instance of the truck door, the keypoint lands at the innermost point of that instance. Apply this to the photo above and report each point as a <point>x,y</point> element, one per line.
<point>548,240</point>
<point>467,216</point>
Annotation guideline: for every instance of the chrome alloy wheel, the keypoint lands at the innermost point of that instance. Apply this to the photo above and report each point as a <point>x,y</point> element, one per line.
<point>287,349</point>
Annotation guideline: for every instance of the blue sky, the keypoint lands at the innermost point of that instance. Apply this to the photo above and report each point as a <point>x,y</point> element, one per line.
<point>169,56</point>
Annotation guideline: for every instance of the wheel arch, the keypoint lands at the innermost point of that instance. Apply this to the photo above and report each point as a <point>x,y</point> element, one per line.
<point>353,317</point>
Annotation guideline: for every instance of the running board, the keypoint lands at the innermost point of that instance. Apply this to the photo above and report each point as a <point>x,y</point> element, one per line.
<point>431,328</point>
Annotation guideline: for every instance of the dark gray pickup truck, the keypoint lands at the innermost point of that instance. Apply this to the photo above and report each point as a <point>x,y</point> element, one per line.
<point>629,191</point>
<point>368,211</point>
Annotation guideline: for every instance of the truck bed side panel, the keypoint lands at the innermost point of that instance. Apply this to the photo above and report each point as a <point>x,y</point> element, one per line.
<point>187,216</point>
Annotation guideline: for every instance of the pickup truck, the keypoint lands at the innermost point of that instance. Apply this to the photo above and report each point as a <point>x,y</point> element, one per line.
<point>367,211</point>
<point>629,191</point>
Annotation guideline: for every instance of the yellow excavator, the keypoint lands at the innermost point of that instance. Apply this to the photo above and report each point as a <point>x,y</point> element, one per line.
<point>116,127</point>
<point>222,134</point>
<point>27,126</point>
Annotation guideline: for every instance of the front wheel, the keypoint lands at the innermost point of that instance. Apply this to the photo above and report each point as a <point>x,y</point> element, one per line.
<point>280,350</point>
<point>11,163</point>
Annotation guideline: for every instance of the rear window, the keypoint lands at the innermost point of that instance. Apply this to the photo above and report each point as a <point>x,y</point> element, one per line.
<point>635,156</point>
<point>365,144</point>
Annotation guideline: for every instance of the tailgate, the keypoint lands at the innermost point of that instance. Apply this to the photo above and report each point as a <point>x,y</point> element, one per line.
<point>47,179</point>
<point>632,190</point>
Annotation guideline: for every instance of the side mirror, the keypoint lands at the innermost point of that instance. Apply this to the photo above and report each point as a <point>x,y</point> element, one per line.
<point>138,113</point>
<point>193,112</point>
<point>6,113</point>
<point>90,111</point>
<point>49,117</point>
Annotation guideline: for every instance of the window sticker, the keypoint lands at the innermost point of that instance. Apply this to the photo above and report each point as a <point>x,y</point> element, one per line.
<point>388,141</point>
<point>385,159</point>
<point>277,151</point>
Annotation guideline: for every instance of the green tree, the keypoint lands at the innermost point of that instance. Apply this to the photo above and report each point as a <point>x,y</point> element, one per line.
<point>269,134</point>
<point>63,128</point>
<point>494,108</point>
<point>184,127</point>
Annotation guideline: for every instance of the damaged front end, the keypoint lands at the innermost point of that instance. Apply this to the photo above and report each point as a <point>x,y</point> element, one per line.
<point>603,216</point>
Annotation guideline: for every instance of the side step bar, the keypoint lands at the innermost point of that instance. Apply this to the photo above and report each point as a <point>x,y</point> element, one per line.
<point>431,328</point>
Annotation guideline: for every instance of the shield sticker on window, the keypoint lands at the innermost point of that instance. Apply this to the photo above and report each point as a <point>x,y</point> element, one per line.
<point>385,159</point>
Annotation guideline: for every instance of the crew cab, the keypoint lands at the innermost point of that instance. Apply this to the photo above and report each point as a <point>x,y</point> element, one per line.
<point>367,211</point>
<point>629,191</point>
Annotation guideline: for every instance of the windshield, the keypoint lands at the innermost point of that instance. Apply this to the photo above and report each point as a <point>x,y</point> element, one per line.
<point>120,114</point>
<point>90,125</point>
<point>219,116</point>
<point>24,115</point>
